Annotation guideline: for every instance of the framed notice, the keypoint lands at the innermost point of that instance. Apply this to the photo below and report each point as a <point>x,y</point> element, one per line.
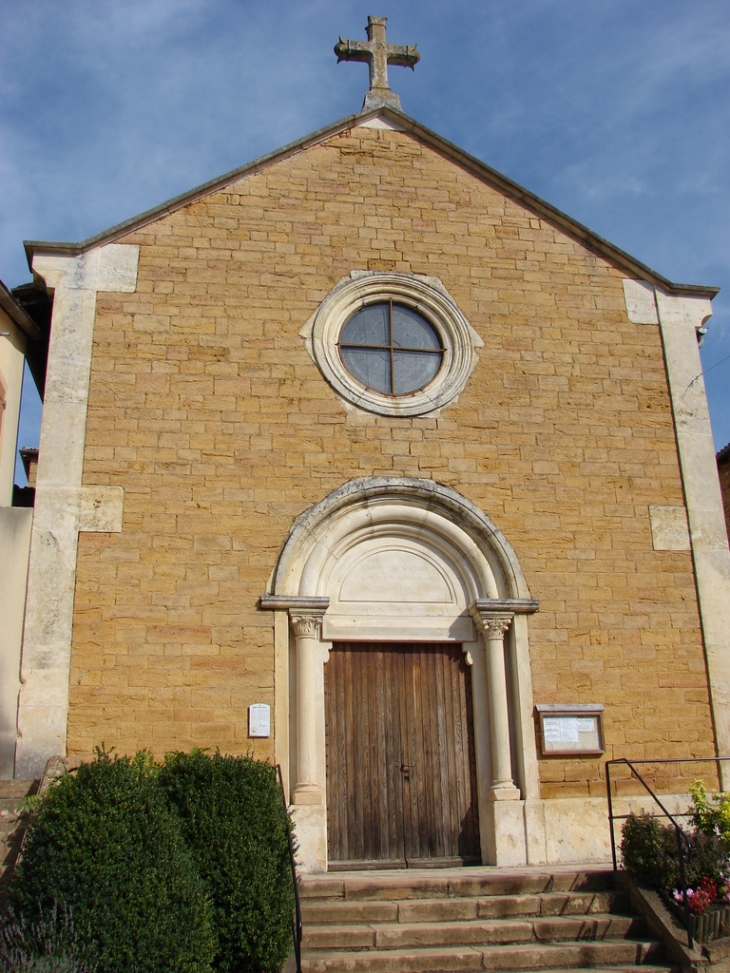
<point>570,730</point>
<point>259,720</point>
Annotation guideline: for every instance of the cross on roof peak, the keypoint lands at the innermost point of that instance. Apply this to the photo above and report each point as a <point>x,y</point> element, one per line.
<point>378,54</point>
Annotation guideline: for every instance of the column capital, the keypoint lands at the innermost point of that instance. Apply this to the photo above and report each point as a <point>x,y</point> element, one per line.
<point>306,622</point>
<point>492,624</point>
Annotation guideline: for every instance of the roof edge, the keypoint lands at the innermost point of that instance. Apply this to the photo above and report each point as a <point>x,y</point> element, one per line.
<point>566,222</point>
<point>571,226</point>
<point>192,195</point>
<point>18,314</point>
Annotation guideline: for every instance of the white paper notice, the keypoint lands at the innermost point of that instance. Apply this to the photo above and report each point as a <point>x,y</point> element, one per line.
<point>551,728</point>
<point>569,729</point>
<point>560,729</point>
<point>586,724</point>
<point>259,720</point>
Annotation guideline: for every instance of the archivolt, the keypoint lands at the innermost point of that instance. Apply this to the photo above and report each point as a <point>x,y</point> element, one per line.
<point>392,507</point>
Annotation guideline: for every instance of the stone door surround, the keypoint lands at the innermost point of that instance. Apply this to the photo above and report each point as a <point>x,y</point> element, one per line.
<point>329,582</point>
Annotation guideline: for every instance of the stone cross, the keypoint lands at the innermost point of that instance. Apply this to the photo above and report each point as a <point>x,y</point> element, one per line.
<point>379,55</point>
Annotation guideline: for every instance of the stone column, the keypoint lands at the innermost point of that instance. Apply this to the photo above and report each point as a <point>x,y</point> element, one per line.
<point>494,627</point>
<point>299,626</point>
<point>502,820</point>
<point>307,625</point>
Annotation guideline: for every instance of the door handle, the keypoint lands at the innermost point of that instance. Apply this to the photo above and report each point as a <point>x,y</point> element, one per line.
<point>405,770</point>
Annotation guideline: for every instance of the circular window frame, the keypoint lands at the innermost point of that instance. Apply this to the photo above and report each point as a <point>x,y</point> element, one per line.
<point>428,297</point>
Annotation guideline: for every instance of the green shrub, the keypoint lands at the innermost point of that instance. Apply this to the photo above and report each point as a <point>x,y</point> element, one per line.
<point>712,816</point>
<point>47,944</point>
<point>649,851</point>
<point>707,859</point>
<point>106,844</point>
<point>234,820</point>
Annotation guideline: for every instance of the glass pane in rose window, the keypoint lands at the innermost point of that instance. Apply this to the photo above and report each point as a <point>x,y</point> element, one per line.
<point>413,370</point>
<point>368,326</point>
<point>410,330</point>
<point>369,365</point>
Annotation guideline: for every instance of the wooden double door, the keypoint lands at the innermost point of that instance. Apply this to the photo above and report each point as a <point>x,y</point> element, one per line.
<point>401,772</point>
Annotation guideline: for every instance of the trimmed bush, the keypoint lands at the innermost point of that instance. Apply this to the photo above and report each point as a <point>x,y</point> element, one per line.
<point>234,820</point>
<point>106,844</point>
<point>649,851</point>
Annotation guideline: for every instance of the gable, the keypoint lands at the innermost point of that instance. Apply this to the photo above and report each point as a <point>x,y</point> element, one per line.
<point>378,200</point>
<point>387,119</point>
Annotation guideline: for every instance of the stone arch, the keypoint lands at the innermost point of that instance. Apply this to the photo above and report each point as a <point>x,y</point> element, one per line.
<point>487,561</point>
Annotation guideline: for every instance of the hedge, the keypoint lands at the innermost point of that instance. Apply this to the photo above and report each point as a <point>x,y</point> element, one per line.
<point>179,867</point>
<point>234,820</point>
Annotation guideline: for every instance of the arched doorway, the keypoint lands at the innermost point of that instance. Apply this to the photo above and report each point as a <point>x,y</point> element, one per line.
<point>388,571</point>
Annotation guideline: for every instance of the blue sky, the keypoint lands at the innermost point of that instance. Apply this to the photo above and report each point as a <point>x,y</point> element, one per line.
<point>617,112</point>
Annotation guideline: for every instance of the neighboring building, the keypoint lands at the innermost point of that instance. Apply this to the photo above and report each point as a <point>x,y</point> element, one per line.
<point>19,338</point>
<point>24,496</point>
<point>17,332</point>
<point>723,468</point>
<point>366,438</point>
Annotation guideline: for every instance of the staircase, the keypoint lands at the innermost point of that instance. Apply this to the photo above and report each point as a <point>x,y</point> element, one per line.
<point>12,828</point>
<point>471,919</point>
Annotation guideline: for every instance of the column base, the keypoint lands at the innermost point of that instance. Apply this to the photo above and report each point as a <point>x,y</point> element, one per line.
<point>306,794</point>
<point>506,840</point>
<point>505,792</point>
<point>310,827</point>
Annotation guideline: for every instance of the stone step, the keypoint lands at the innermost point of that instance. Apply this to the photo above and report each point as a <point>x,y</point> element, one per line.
<point>327,910</point>
<point>9,829</point>
<point>17,788</point>
<point>401,935</point>
<point>554,904</point>
<point>448,883</point>
<point>481,918</point>
<point>575,955</point>
<point>12,827</point>
<point>616,957</point>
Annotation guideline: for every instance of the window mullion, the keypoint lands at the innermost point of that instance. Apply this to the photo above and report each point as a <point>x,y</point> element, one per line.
<point>390,340</point>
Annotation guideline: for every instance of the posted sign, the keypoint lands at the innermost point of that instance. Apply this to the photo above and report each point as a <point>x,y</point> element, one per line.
<point>259,720</point>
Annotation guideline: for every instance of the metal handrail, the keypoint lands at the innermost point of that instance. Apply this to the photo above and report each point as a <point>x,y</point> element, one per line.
<point>296,922</point>
<point>683,842</point>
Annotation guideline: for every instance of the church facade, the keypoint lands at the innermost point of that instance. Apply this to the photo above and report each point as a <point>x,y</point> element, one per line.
<point>365,460</point>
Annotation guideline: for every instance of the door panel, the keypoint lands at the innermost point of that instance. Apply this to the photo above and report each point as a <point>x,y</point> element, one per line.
<point>401,780</point>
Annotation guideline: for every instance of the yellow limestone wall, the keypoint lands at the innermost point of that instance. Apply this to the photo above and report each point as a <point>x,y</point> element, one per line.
<point>207,409</point>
